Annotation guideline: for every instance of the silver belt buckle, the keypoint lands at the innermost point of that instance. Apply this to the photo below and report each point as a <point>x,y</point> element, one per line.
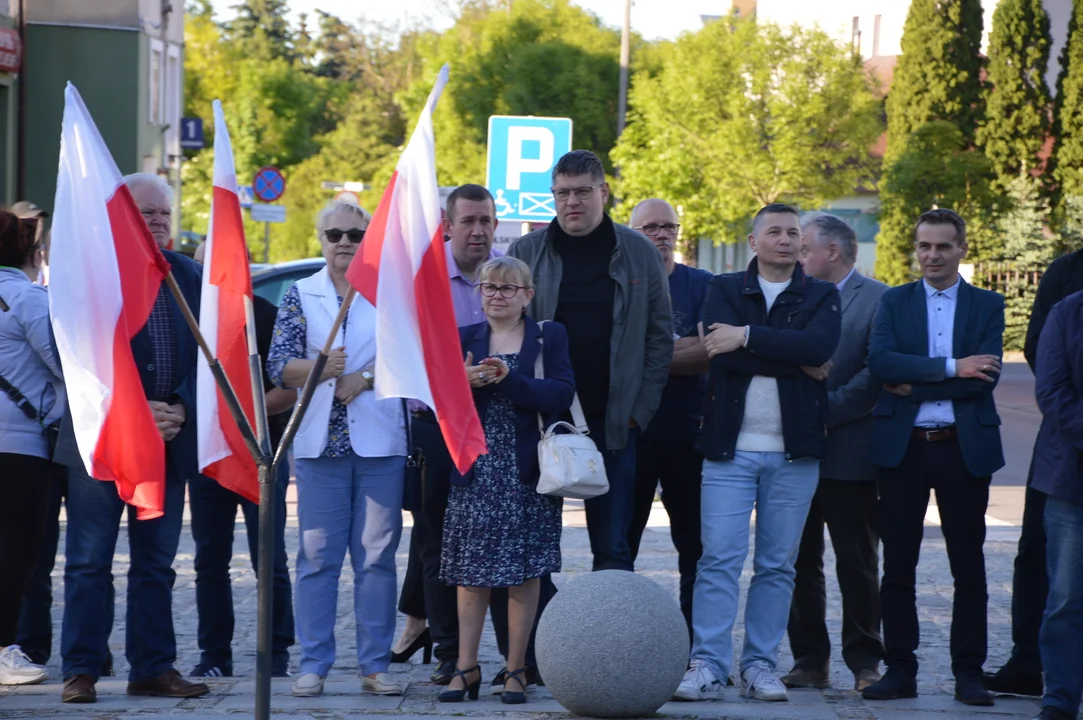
<point>929,434</point>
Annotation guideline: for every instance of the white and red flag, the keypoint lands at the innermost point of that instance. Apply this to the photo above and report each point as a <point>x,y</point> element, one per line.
<point>105,272</point>
<point>227,289</point>
<point>402,270</point>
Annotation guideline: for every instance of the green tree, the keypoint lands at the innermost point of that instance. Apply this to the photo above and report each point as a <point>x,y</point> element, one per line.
<point>1017,99</point>
<point>743,114</point>
<point>1067,158</point>
<point>937,169</point>
<point>262,29</point>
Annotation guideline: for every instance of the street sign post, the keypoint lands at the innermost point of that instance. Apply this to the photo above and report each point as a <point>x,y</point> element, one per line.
<point>269,213</point>
<point>191,135</point>
<point>268,184</point>
<point>244,194</point>
<point>522,152</point>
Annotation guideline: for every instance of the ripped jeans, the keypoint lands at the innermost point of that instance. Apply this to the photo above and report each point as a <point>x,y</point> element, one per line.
<point>350,503</point>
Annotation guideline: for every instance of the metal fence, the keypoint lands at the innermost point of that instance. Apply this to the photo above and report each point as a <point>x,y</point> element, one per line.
<point>1008,279</point>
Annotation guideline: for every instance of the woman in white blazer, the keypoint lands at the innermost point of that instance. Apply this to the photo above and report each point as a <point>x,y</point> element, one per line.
<point>350,457</point>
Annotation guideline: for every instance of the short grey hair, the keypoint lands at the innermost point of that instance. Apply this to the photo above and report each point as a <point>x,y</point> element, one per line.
<point>336,206</point>
<point>144,179</point>
<point>508,268</point>
<point>831,228</point>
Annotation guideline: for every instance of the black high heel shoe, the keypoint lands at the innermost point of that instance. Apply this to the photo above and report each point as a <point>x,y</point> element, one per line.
<point>471,689</point>
<point>511,697</point>
<point>424,640</point>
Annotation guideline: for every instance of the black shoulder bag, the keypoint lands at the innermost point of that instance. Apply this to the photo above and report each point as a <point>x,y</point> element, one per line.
<point>51,432</point>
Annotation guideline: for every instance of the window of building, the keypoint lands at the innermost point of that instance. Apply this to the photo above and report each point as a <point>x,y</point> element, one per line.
<point>154,85</point>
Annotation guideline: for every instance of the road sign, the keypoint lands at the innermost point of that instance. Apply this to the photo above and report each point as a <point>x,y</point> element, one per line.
<point>244,194</point>
<point>268,185</point>
<point>347,196</point>
<point>191,135</point>
<point>522,152</point>
<point>269,213</point>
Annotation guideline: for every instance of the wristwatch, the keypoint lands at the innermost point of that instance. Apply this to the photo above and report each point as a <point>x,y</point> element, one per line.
<point>368,377</point>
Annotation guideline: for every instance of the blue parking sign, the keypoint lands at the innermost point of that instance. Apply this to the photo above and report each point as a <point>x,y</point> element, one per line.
<point>522,153</point>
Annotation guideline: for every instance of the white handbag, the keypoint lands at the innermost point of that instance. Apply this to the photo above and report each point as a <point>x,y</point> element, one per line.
<point>570,463</point>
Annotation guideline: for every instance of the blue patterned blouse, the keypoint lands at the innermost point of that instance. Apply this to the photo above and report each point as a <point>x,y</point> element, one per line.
<point>289,342</point>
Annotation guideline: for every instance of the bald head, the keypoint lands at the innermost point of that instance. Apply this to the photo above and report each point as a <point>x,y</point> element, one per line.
<point>657,219</point>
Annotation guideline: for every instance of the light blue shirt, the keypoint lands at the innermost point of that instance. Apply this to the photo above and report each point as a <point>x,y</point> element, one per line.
<point>842,283</point>
<point>940,308</point>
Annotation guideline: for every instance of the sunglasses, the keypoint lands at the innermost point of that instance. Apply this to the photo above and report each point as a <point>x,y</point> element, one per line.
<point>354,236</point>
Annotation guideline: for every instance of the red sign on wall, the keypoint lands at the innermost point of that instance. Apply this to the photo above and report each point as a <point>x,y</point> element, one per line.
<point>11,50</point>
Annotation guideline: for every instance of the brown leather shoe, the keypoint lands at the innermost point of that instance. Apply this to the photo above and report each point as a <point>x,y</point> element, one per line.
<point>866,677</point>
<point>79,689</point>
<point>804,678</point>
<point>168,684</point>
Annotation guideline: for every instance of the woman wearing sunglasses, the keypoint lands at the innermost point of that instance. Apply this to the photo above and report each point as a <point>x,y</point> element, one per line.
<point>350,458</point>
<point>498,531</point>
<point>31,399</point>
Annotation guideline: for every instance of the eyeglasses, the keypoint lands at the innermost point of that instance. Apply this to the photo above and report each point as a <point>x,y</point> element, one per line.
<point>653,229</point>
<point>354,236</point>
<point>506,291</point>
<point>562,194</point>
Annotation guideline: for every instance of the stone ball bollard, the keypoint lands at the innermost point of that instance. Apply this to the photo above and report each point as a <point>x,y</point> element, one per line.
<point>612,644</point>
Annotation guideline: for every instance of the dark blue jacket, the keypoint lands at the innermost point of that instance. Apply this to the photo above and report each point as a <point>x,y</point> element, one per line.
<point>552,397</point>
<point>1058,454</point>
<point>181,451</point>
<point>899,354</point>
<point>803,328</point>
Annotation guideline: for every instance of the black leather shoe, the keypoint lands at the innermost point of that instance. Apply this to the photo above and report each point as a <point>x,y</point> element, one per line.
<point>895,685</point>
<point>1053,713</point>
<point>1009,680</point>
<point>970,691</point>
<point>445,670</point>
<point>79,689</point>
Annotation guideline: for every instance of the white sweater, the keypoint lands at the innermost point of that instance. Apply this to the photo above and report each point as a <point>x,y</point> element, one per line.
<point>761,426</point>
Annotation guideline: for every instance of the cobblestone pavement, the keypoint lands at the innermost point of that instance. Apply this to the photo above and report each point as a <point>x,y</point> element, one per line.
<point>233,697</point>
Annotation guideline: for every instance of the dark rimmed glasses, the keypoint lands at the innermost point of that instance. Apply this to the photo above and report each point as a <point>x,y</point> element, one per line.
<point>505,291</point>
<point>562,194</point>
<point>334,235</point>
<point>652,229</point>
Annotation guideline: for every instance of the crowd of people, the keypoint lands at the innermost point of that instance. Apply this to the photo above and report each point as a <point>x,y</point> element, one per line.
<point>798,389</point>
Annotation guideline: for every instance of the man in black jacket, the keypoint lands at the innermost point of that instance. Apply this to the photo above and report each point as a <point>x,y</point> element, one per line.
<point>769,333</point>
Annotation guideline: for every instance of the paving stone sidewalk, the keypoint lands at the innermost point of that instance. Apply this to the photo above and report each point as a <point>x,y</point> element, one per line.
<point>232,698</point>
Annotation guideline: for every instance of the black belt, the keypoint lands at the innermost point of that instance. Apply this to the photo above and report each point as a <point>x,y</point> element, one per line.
<point>938,434</point>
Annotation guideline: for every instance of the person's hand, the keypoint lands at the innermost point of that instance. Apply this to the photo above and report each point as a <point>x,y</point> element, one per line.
<point>818,373</point>
<point>723,339</point>
<point>167,418</point>
<point>349,386</point>
<point>336,364</point>
<point>477,375</point>
<point>902,390</point>
<point>982,367</point>
<point>500,370</point>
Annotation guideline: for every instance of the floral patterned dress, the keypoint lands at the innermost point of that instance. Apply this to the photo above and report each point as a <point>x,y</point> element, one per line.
<point>498,531</point>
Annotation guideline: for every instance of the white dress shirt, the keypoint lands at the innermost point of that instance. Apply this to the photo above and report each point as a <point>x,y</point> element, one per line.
<point>940,308</point>
<point>842,283</point>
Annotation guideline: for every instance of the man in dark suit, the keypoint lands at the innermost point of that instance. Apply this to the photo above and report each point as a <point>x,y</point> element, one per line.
<point>846,495</point>
<point>165,353</point>
<point>936,346</point>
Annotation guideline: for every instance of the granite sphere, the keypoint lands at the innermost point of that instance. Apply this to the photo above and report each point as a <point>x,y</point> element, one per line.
<point>612,644</point>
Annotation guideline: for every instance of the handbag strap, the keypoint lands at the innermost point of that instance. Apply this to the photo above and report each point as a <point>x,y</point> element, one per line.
<point>578,417</point>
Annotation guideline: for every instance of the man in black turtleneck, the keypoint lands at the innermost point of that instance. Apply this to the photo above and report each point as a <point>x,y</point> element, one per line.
<point>606,284</point>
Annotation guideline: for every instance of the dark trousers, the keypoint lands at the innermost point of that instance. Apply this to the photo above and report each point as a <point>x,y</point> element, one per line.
<point>848,508</point>
<point>412,597</point>
<point>609,516</point>
<point>1030,583</point>
<point>962,500</point>
<point>94,515</point>
<point>214,515</point>
<point>678,467</point>
<point>27,487</point>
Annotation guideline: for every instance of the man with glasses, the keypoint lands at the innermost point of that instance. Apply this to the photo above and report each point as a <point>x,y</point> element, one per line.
<point>606,284</point>
<point>666,453</point>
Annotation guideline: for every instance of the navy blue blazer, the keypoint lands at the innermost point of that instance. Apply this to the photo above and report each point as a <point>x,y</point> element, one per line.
<point>181,451</point>
<point>552,397</point>
<point>899,354</point>
<point>1058,387</point>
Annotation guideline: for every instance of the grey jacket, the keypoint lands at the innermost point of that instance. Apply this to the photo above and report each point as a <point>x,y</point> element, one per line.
<point>641,346</point>
<point>851,389</point>
<point>29,361</point>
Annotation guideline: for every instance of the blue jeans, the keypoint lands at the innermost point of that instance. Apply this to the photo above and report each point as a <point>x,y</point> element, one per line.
<point>1062,651</point>
<point>214,514</point>
<point>781,491</point>
<point>609,516</point>
<point>94,514</point>
<point>350,503</point>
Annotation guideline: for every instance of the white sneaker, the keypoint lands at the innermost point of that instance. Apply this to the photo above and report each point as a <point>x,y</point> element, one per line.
<point>760,683</point>
<point>16,668</point>
<point>699,683</point>
<point>382,684</point>
<point>308,685</point>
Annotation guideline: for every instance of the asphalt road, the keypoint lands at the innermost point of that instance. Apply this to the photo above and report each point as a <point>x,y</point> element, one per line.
<point>1020,419</point>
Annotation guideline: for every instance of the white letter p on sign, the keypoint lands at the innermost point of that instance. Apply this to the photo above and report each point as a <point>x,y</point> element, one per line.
<point>517,164</point>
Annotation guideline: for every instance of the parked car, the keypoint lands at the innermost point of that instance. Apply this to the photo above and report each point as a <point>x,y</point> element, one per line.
<point>272,281</point>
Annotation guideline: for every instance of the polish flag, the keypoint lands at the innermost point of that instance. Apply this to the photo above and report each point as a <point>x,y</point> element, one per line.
<point>227,289</point>
<point>105,273</point>
<point>401,269</point>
